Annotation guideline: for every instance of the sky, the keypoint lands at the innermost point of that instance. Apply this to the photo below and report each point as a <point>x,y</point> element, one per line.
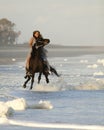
<point>64,22</point>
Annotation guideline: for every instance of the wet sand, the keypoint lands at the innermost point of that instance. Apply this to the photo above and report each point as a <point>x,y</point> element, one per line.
<point>12,54</point>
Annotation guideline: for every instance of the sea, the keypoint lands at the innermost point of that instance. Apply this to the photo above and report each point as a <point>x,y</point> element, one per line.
<point>73,101</point>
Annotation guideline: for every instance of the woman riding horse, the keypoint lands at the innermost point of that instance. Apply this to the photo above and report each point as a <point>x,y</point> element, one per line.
<point>37,61</point>
<point>38,42</point>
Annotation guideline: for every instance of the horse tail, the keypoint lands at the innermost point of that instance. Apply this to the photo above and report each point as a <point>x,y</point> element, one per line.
<point>54,71</point>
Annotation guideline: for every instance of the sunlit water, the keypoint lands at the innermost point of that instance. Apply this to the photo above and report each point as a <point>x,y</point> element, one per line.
<point>75,100</point>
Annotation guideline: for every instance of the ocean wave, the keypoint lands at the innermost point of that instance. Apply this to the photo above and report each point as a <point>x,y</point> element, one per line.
<point>20,104</point>
<point>52,125</point>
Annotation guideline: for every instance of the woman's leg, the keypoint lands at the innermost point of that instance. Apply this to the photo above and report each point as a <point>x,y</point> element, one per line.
<point>27,62</point>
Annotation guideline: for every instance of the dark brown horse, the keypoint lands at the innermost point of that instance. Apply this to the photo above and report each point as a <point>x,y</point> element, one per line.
<point>37,65</point>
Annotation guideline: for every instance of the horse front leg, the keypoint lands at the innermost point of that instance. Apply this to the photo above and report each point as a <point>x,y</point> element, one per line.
<point>46,76</point>
<point>32,81</point>
<point>24,86</point>
<point>39,77</point>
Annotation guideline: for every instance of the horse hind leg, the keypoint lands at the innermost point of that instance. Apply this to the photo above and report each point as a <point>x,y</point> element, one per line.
<point>39,77</point>
<point>54,71</point>
<point>46,76</point>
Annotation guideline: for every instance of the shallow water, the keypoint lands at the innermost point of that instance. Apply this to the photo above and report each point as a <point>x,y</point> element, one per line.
<point>73,101</point>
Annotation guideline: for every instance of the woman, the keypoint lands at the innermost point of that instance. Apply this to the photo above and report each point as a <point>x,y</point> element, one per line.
<point>37,37</point>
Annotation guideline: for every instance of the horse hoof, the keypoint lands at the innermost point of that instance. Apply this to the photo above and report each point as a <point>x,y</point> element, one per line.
<point>25,77</point>
<point>31,88</point>
<point>47,82</point>
<point>38,82</point>
<point>24,86</point>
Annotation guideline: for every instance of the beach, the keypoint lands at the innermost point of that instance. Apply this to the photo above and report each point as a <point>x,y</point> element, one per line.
<point>75,100</point>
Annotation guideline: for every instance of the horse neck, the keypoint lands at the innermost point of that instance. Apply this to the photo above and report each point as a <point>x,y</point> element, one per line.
<point>37,63</point>
<point>36,54</point>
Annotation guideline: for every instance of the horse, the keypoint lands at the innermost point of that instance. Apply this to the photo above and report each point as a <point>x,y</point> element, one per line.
<point>36,64</point>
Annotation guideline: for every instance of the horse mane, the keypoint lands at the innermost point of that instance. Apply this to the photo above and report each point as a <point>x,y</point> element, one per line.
<point>39,47</point>
<point>33,51</point>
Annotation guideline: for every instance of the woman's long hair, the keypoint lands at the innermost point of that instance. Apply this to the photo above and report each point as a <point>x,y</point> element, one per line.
<point>40,36</point>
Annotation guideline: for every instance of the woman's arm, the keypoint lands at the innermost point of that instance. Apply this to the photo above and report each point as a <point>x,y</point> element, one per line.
<point>31,42</point>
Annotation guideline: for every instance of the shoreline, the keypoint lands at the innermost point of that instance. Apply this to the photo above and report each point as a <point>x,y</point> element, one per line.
<point>12,54</point>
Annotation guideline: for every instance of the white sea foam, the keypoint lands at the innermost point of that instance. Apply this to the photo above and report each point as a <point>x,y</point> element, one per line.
<point>83,61</point>
<point>65,59</point>
<point>94,66</point>
<point>100,73</point>
<point>8,108</point>
<point>17,104</point>
<point>54,125</point>
<point>41,105</point>
<point>98,84</point>
<point>87,87</point>
<point>5,110</point>
<point>61,65</point>
<point>100,61</point>
<point>13,59</point>
<point>45,88</point>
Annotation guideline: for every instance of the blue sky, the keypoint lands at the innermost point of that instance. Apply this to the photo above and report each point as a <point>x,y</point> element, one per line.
<point>67,22</point>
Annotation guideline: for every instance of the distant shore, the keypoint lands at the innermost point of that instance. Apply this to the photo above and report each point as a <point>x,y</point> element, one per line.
<point>17,53</point>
